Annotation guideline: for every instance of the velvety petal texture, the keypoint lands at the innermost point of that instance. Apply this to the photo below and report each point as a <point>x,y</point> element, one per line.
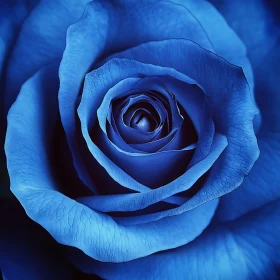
<point>235,250</point>
<point>215,91</point>
<point>257,23</point>
<point>225,41</point>
<point>97,34</point>
<point>133,142</point>
<point>46,27</point>
<point>37,189</point>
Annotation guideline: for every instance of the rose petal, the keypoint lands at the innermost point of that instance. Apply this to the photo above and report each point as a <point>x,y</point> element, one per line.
<point>133,202</point>
<point>234,249</point>
<point>257,24</point>
<point>96,33</point>
<point>68,221</point>
<point>90,103</point>
<point>225,41</point>
<point>97,235</point>
<point>231,102</point>
<point>260,187</point>
<point>34,126</point>
<point>172,141</point>
<point>46,27</point>
<point>145,168</point>
<point>131,135</point>
<point>12,14</point>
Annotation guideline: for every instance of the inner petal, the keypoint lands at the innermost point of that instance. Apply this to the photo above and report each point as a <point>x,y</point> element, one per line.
<point>143,121</point>
<point>110,156</point>
<point>130,110</point>
<point>153,108</point>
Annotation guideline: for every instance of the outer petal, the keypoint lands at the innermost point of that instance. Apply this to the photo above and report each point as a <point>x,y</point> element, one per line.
<point>46,28</point>
<point>225,41</point>
<point>98,236</point>
<point>257,23</point>
<point>28,140</point>
<point>230,251</point>
<point>106,28</point>
<point>230,99</point>
<point>12,14</point>
<point>267,90</point>
<point>99,81</point>
<point>132,202</point>
<point>36,126</point>
<point>261,186</point>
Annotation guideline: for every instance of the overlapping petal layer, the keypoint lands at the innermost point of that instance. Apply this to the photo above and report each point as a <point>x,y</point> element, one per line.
<point>232,105</point>
<point>68,221</point>
<point>229,251</point>
<point>113,160</point>
<point>96,33</point>
<point>222,113</point>
<point>46,27</point>
<point>225,41</point>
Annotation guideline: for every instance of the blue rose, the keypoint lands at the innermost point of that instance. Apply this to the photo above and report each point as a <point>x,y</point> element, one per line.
<point>133,136</point>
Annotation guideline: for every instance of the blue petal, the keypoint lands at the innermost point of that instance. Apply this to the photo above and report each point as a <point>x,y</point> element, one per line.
<point>104,113</point>
<point>74,65</point>
<point>197,106</point>
<point>257,23</point>
<point>132,202</point>
<point>225,41</point>
<point>97,33</point>
<point>172,141</point>
<point>69,222</point>
<point>157,84</point>
<point>46,28</point>
<point>31,164</point>
<point>153,170</point>
<point>191,98</point>
<point>101,238</point>
<point>12,14</point>
<point>231,102</point>
<point>262,184</point>
<point>267,90</point>
<point>100,81</point>
<point>120,89</point>
<point>230,251</point>
<point>135,136</point>
<point>26,250</point>
<point>34,118</point>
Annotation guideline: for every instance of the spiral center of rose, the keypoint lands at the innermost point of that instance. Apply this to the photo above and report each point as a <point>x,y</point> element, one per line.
<point>142,120</point>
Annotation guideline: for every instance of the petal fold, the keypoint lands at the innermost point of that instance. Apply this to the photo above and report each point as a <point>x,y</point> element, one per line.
<point>234,249</point>
<point>46,27</point>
